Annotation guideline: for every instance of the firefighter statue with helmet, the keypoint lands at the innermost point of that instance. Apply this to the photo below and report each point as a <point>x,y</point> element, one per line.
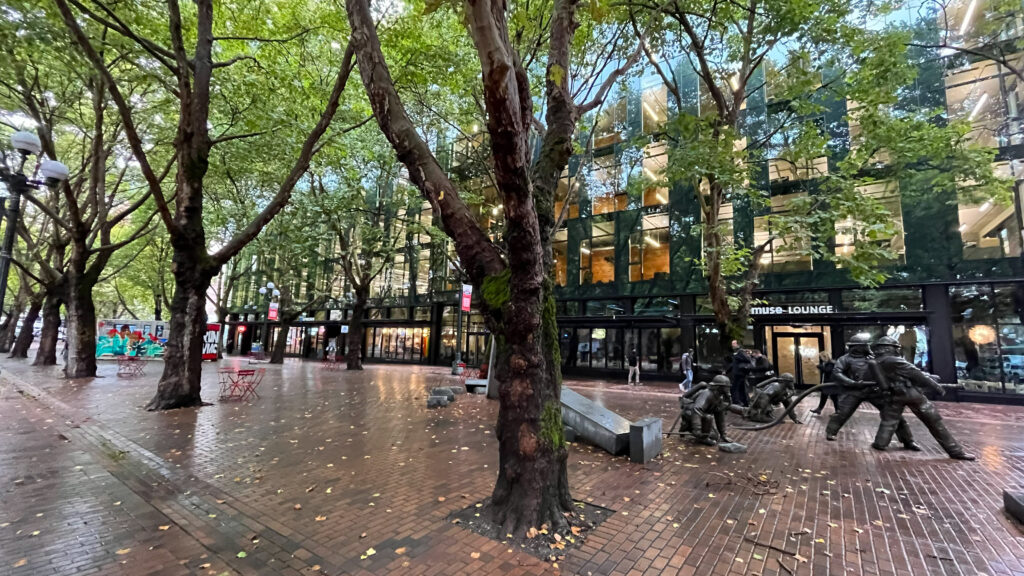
<point>853,374</point>
<point>902,383</point>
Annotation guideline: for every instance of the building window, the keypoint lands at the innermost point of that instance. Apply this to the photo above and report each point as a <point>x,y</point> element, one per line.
<point>611,123</point>
<point>784,252</point>
<point>649,248</point>
<point>597,255</point>
<point>848,233</point>
<point>655,108</point>
<point>988,337</point>
<point>725,215</point>
<point>882,300</point>
<point>560,252</point>
<point>655,306</point>
<point>989,229</point>
<point>988,95</point>
<point>654,163</point>
<point>604,185</point>
<point>568,192</point>
<point>423,270</point>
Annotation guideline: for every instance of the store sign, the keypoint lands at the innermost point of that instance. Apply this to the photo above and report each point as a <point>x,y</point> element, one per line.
<point>795,309</point>
<point>272,312</point>
<point>210,341</point>
<point>467,296</point>
<point>344,328</point>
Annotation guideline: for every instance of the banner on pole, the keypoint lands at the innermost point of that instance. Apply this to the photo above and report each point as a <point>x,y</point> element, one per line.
<point>272,312</point>
<point>467,296</point>
<point>210,341</point>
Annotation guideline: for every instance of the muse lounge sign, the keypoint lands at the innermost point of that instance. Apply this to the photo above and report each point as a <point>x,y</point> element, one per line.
<point>794,309</point>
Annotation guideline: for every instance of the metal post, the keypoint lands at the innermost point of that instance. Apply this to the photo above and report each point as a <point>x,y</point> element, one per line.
<point>17,185</point>
<point>456,369</point>
<point>266,327</point>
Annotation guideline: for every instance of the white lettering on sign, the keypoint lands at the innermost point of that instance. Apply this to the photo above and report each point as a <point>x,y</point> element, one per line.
<point>799,309</point>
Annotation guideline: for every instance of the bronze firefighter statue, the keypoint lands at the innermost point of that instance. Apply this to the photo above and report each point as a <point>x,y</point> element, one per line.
<point>703,405</point>
<point>775,391</point>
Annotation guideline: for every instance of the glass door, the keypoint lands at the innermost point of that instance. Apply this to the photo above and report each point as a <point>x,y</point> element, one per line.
<point>797,353</point>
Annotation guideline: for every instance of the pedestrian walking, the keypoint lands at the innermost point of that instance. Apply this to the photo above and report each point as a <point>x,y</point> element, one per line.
<point>686,367</point>
<point>634,367</point>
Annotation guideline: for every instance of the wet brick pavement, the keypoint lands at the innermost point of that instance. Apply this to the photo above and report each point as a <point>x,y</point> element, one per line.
<point>328,464</point>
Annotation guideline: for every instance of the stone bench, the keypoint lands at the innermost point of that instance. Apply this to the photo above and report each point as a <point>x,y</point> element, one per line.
<point>594,423</point>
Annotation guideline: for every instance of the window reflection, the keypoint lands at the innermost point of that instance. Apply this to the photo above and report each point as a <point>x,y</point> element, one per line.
<point>784,252</point>
<point>597,255</point>
<point>560,252</point>
<point>886,193</point>
<point>649,248</point>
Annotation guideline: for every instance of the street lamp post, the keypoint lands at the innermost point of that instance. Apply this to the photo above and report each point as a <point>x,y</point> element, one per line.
<point>270,292</point>
<point>18,185</point>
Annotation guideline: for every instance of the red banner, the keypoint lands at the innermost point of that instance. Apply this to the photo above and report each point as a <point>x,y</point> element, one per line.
<point>467,296</point>
<point>272,311</point>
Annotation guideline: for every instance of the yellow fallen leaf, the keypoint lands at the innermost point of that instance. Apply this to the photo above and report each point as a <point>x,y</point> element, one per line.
<point>532,532</point>
<point>204,566</point>
<point>328,491</point>
<point>369,552</point>
<point>440,498</point>
<point>819,540</point>
<point>400,551</point>
<point>21,562</point>
<point>36,533</point>
<point>123,551</point>
<point>167,527</point>
<point>320,518</point>
<point>576,530</point>
<point>474,555</point>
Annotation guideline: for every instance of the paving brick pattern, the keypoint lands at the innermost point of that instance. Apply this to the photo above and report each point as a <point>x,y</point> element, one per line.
<point>329,464</point>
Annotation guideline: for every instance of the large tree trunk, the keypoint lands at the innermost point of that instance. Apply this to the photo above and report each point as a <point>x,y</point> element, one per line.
<point>354,341</point>
<point>46,354</point>
<point>9,328</point>
<point>281,341</point>
<point>180,383</point>
<point>25,335</point>
<point>81,333</point>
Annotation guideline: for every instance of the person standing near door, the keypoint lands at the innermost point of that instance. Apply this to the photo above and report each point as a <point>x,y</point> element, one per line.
<point>825,367</point>
<point>739,368</point>
<point>686,367</point>
<point>634,367</point>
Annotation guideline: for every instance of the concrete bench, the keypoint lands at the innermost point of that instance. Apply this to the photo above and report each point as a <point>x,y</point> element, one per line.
<point>594,423</point>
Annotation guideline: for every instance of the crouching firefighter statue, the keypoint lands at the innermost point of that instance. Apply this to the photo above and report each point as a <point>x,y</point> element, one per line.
<point>703,405</point>
<point>767,395</point>
<point>902,383</point>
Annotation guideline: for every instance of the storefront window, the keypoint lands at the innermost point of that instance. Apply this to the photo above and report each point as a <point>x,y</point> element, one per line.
<point>655,306</point>
<point>604,308</point>
<point>564,308</point>
<point>423,270</point>
<point>597,255</point>
<point>649,248</point>
<point>848,230</point>
<point>560,252</point>
<point>598,347</point>
<point>882,300</point>
<point>784,253</point>
<point>988,337</point>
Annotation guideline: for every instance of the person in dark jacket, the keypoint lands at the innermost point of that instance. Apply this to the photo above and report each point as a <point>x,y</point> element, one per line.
<point>825,367</point>
<point>739,368</point>
<point>634,367</point>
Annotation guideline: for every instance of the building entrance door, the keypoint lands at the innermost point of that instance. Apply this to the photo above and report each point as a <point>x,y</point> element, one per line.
<point>797,353</point>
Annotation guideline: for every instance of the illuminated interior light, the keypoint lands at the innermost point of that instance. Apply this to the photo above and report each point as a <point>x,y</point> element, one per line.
<point>963,227</point>
<point>978,106</point>
<point>661,198</point>
<point>652,241</point>
<point>650,174</point>
<point>967,17</point>
<point>984,207</point>
<point>584,250</point>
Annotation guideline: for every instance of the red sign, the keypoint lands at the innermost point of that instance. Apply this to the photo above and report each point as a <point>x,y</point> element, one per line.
<point>467,296</point>
<point>210,341</point>
<point>272,312</point>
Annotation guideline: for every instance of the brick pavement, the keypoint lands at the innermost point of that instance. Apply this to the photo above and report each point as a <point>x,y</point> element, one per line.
<point>370,467</point>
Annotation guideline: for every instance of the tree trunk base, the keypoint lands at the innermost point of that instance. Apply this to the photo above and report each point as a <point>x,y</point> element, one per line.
<point>173,394</point>
<point>540,497</point>
<point>354,364</point>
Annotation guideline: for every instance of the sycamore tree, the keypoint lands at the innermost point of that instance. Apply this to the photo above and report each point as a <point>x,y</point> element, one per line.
<point>229,76</point>
<point>524,52</point>
<point>751,85</point>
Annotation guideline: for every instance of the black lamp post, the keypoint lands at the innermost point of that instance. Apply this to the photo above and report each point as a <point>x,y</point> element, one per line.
<point>270,292</point>
<point>19,184</point>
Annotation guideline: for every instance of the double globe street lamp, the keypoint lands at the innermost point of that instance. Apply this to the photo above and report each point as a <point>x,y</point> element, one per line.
<point>19,184</point>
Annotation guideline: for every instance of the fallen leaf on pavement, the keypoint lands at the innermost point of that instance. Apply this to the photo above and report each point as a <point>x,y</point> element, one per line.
<point>400,551</point>
<point>297,507</point>
<point>21,562</point>
<point>167,527</point>
<point>241,554</point>
<point>474,555</point>
<point>320,518</point>
<point>123,551</point>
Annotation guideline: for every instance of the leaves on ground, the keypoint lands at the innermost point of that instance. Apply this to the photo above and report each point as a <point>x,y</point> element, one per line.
<point>369,552</point>
<point>123,551</point>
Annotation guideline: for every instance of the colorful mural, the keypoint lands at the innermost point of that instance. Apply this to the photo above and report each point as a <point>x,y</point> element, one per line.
<point>125,342</point>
